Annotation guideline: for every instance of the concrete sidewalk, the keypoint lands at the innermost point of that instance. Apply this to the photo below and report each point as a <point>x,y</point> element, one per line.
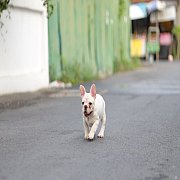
<point>17,100</point>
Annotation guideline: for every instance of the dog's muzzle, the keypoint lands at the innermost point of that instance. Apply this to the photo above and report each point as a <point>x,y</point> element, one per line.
<point>87,114</point>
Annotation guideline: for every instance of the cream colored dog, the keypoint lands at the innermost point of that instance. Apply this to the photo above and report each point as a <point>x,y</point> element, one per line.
<point>93,108</point>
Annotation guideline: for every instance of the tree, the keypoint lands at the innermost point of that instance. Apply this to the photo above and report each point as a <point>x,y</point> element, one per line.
<point>3,5</point>
<point>176,32</point>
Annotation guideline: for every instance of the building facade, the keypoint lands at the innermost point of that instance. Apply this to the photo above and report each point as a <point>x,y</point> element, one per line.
<point>160,15</point>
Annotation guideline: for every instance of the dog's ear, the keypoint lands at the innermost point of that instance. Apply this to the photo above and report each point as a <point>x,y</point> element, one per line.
<point>93,90</point>
<point>82,90</point>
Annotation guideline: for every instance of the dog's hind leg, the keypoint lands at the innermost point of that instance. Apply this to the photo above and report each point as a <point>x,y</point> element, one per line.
<point>103,124</point>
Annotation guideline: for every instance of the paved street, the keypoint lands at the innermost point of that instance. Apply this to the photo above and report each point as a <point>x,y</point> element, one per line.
<point>41,138</point>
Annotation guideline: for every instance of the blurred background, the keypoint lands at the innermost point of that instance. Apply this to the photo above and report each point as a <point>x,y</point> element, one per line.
<point>73,41</point>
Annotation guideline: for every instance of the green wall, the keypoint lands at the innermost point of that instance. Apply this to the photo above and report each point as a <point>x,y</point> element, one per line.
<point>89,37</point>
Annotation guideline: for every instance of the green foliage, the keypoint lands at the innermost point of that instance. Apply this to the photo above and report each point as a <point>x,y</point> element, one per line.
<point>49,5</point>
<point>3,5</point>
<point>76,73</point>
<point>126,64</point>
<point>176,32</point>
<point>52,72</point>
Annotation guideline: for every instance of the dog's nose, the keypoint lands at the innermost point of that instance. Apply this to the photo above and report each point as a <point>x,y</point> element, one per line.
<point>85,107</point>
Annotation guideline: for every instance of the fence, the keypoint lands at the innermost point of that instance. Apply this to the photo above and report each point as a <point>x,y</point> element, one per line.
<point>88,37</point>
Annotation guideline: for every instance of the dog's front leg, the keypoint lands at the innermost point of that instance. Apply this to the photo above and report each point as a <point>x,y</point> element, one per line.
<point>86,129</point>
<point>101,133</point>
<point>93,130</point>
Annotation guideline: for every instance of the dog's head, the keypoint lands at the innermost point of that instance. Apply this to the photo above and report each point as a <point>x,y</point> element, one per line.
<point>88,100</point>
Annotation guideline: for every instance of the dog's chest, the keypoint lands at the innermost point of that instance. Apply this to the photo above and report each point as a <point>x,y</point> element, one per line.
<point>90,121</point>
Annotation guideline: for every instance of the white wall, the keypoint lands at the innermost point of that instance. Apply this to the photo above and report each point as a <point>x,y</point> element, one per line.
<point>24,47</point>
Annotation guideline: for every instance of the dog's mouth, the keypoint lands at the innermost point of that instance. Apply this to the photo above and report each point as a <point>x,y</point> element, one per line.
<point>87,114</point>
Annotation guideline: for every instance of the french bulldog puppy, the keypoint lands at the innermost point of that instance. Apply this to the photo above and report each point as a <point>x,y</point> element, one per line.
<point>93,109</point>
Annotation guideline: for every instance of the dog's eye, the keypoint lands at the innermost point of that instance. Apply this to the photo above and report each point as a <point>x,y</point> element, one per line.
<point>90,103</point>
<point>82,103</point>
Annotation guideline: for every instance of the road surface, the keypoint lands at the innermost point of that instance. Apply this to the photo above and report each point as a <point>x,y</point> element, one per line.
<point>42,138</point>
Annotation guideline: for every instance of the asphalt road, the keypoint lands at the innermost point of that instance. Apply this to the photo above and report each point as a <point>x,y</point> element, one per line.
<point>42,138</point>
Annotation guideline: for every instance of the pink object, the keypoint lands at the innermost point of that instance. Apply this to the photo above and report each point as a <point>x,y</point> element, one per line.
<point>165,39</point>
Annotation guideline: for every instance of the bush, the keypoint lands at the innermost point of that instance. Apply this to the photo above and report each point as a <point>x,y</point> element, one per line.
<point>76,73</point>
<point>125,65</point>
<point>176,32</point>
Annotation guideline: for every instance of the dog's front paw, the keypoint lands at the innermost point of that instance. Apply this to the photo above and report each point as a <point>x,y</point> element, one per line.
<point>86,136</point>
<point>91,137</point>
<point>100,135</point>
